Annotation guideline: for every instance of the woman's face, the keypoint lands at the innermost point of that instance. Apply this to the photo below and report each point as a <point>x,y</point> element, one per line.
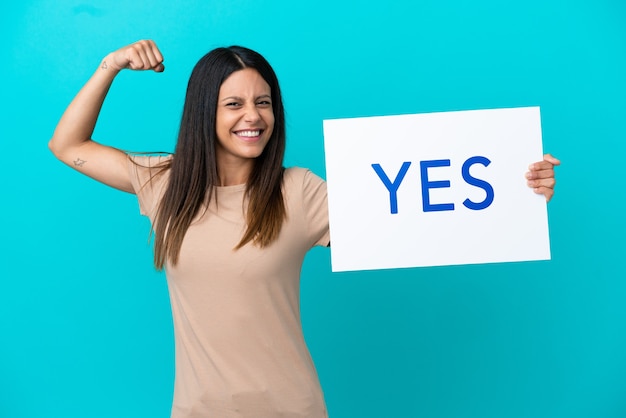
<point>245,119</point>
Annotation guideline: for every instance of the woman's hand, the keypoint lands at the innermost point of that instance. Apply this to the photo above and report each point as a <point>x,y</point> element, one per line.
<point>142,55</point>
<point>541,176</point>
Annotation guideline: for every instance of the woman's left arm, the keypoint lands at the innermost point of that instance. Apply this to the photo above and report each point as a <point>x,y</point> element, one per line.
<point>541,176</point>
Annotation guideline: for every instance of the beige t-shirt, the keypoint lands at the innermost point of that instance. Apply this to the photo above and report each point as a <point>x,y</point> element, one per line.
<point>240,350</point>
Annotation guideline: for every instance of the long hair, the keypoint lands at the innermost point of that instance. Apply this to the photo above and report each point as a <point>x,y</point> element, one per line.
<point>193,168</point>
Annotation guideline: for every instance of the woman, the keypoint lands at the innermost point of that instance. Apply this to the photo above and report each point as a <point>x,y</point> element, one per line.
<point>231,230</point>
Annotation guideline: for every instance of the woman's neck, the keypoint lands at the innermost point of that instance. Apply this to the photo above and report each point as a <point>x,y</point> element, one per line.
<point>234,174</point>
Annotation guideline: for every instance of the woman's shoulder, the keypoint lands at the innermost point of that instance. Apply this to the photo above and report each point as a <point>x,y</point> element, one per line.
<point>151,160</point>
<point>148,166</point>
<point>303,181</point>
<point>295,172</point>
<point>148,176</point>
<point>300,174</point>
<point>148,170</point>
<point>300,178</point>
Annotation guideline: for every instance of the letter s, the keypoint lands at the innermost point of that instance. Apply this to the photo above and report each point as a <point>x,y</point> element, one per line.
<point>478,183</point>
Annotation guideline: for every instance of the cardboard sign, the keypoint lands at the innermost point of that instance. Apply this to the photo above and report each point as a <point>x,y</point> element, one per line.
<point>434,189</point>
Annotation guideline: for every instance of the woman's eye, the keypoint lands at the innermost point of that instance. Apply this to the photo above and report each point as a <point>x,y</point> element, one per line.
<point>232,104</point>
<point>264,103</point>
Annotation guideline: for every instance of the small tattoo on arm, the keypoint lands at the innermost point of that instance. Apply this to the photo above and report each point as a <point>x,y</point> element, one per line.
<point>104,65</point>
<point>79,163</point>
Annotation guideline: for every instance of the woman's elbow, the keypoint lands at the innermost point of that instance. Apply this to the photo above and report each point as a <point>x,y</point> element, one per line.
<point>53,147</point>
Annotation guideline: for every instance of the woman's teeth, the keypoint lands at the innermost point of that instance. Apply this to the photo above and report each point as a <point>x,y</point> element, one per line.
<point>249,133</point>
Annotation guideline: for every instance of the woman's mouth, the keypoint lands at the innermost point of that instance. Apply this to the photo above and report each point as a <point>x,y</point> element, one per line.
<point>249,133</point>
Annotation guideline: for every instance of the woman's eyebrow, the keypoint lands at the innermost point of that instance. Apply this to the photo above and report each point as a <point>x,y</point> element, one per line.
<point>231,98</point>
<point>263,96</point>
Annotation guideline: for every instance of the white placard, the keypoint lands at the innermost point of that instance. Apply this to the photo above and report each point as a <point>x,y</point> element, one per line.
<point>399,197</point>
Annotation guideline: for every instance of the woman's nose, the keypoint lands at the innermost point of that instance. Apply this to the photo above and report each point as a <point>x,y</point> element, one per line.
<point>252,114</point>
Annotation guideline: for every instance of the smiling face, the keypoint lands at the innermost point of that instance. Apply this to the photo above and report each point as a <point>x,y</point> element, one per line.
<point>244,122</point>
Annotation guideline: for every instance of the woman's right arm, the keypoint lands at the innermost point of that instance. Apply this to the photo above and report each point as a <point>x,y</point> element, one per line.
<point>72,143</point>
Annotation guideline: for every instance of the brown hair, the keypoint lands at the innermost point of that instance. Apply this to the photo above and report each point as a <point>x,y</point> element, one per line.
<point>193,167</point>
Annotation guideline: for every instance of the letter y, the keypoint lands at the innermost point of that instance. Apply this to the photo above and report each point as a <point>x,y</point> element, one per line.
<point>392,187</point>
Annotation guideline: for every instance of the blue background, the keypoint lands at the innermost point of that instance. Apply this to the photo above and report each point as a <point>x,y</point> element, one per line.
<point>84,319</point>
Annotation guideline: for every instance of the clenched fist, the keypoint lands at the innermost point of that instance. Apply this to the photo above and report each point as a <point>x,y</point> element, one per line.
<point>142,55</point>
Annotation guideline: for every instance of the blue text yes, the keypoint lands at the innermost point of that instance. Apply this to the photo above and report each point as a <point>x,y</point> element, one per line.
<point>392,186</point>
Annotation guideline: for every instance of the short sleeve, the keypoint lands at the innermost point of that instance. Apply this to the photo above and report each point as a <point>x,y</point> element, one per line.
<point>315,202</point>
<point>148,178</point>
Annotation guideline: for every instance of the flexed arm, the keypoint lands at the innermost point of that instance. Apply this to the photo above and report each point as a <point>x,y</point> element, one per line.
<point>72,143</point>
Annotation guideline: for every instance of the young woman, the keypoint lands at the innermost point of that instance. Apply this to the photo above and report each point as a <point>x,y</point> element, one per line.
<point>232,227</point>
